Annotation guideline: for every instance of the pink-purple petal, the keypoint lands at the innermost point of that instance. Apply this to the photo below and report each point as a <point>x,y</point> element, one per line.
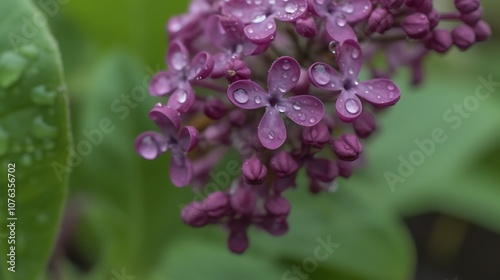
<point>261,33</point>
<point>167,119</point>
<point>325,77</point>
<point>201,66</point>
<point>181,169</point>
<point>247,95</point>
<point>319,8</point>
<point>290,10</point>
<point>246,11</point>
<point>164,82</point>
<point>380,92</point>
<point>283,76</point>
<point>350,59</point>
<point>348,106</point>
<point>339,29</point>
<point>150,145</point>
<point>182,98</point>
<point>305,110</point>
<point>177,56</point>
<point>356,10</point>
<point>271,129</point>
<point>217,33</point>
<point>188,138</point>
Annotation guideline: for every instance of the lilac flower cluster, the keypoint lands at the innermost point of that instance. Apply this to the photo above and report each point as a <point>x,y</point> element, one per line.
<point>309,112</point>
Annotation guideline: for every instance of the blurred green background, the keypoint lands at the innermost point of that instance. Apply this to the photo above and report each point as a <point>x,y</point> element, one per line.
<point>120,215</point>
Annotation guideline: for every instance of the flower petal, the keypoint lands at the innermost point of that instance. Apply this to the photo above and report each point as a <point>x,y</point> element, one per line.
<point>201,66</point>
<point>319,8</point>
<point>166,119</point>
<point>246,11</point>
<point>188,138</point>
<point>338,28</point>
<point>164,82</point>
<point>271,129</point>
<point>150,145</point>
<point>350,59</point>
<point>182,98</point>
<point>380,92</point>
<point>247,95</point>
<point>217,33</point>
<point>261,33</point>
<point>177,56</point>
<point>181,169</point>
<point>221,64</point>
<point>283,75</point>
<point>348,106</point>
<point>325,77</point>
<point>305,110</point>
<point>290,10</point>
<point>357,10</point>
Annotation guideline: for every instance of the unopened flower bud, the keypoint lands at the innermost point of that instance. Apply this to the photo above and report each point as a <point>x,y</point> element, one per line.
<point>244,200</point>
<point>322,169</point>
<point>380,20</point>
<point>194,215</point>
<point>254,172</point>
<point>277,206</point>
<point>216,204</point>
<point>482,31</point>
<point>463,37</point>
<point>473,17</point>
<point>215,109</point>
<point>238,241</point>
<point>467,6</point>
<point>306,27</point>
<point>365,125</point>
<point>347,147</point>
<point>283,164</point>
<point>416,25</point>
<point>316,136</point>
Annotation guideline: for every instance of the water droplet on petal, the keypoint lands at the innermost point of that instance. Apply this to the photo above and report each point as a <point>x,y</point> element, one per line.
<point>302,117</point>
<point>291,8</point>
<point>258,99</point>
<point>351,71</point>
<point>390,87</point>
<point>341,21</point>
<point>286,64</point>
<point>352,106</point>
<point>297,106</point>
<point>312,120</point>
<point>348,8</point>
<point>259,19</point>
<point>241,96</point>
<point>282,88</point>
<point>271,135</point>
<point>179,60</point>
<point>332,46</point>
<point>355,53</point>
<point>320,75</point>
<point>158,105</point>
<point>182,97</point>
<point>281,108</point>
<point>148,148</point>
<point>250,30</point>
<point>294,78</point>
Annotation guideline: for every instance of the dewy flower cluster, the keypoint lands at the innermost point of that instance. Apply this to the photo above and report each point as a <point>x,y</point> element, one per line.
<point>277,82</point>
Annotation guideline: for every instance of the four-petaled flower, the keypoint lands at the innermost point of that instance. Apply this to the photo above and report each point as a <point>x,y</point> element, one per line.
<point>340,14</point>
<point>379,92</point>
<point>259,15</point>
<point>305,110</point>
<point>180,76</point>
<point>151,144</point>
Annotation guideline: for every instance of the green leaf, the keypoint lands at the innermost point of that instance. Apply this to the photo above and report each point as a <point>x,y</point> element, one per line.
<point>34,135</point>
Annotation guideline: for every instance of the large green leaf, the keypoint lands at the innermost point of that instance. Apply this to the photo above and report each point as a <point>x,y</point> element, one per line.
<point>34,134</point>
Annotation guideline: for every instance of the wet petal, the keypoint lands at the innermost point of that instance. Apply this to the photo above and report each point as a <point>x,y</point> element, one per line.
<point>182,98</point>
<point>348,106</point>
<point>188,138</point>
<point>201,66</point>
<point>283,75</point>
<point>221,64</point>
<point>150,145</point>
<point>380,92</point>
<point>290,10</point>
<point>325,77</point>
<point>181,169</point>
<point>305,110</point>
<point>177,56</point>
<point>246,11</point>
<point>357,10</point>
<point>166,119</point>
<point>261,33</point>
<point>350,59</point>
<point>339,29</point>
<point>164,82</point>
<point>319,8</point>
<point>271,129</point>
<point>247,95</point>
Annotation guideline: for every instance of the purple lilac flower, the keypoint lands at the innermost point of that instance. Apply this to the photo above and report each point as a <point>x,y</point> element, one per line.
<point>180,76</point>
<point>296,38</point>
<point>305,110</point>
<point>151,144</point>
<point>380,92</point>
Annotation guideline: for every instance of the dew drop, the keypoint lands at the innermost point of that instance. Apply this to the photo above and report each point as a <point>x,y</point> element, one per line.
<point>285,75</point>
<point>296,106</point>
<point>41,129</point>
<point>302,117</point>
<point>12,67</point>
<point>241,96</point>
<point>286,64</point>
<point>4,142</point>
<point>40,96</point>
<point>259,18</point>
<point>258,99</point>
<point>341,21</point>
<point>352,106</point>
<point>271,135</point>
<point>281,108</point>
<point>282,88</point>
<point>291,8</point>
<point>182,97</point>
<point>148,148</point>
<point>158,105</point>
<point>320,75</point>
<point>294,78</point>
<point>355,54</point>
<point>348,8</point>
<point>332,46</point>
<point>351,71</point>
<point>312,120</point>
<point>269,26</point>
<point>179,60</point>
<point>320,2</point>
<point>250,30</point>
<point>390,87</point>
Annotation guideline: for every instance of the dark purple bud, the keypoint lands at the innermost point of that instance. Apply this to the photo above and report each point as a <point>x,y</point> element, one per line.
<point>244,200</point>
<point>194,215</point>
<point>416,25</point>
<point>415,3</point>
<point>392,4</point>
<point>237,118</point>
<point>380,20</point>
<point>215,109</point>
<point>347,147</point>
<point>316,136</point>
<point>473,17</point>
<point>463,37</point>
<point>306,27</point>
<point>345,168</point>
<point>322,169</point>
<point>434,17</point>
<point>426,7</point>
<point>275,227</point>
<point>467,6</point>
<point>277,206</point>
<point>283,164</point>
<point>254,172</point>
<point>237,241</point>
<point>216,204</point>
<point>482,31</point>
<point>365,125</point>
<point>281,184</point>
<point>440,41</point>
<point>237,70</point>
